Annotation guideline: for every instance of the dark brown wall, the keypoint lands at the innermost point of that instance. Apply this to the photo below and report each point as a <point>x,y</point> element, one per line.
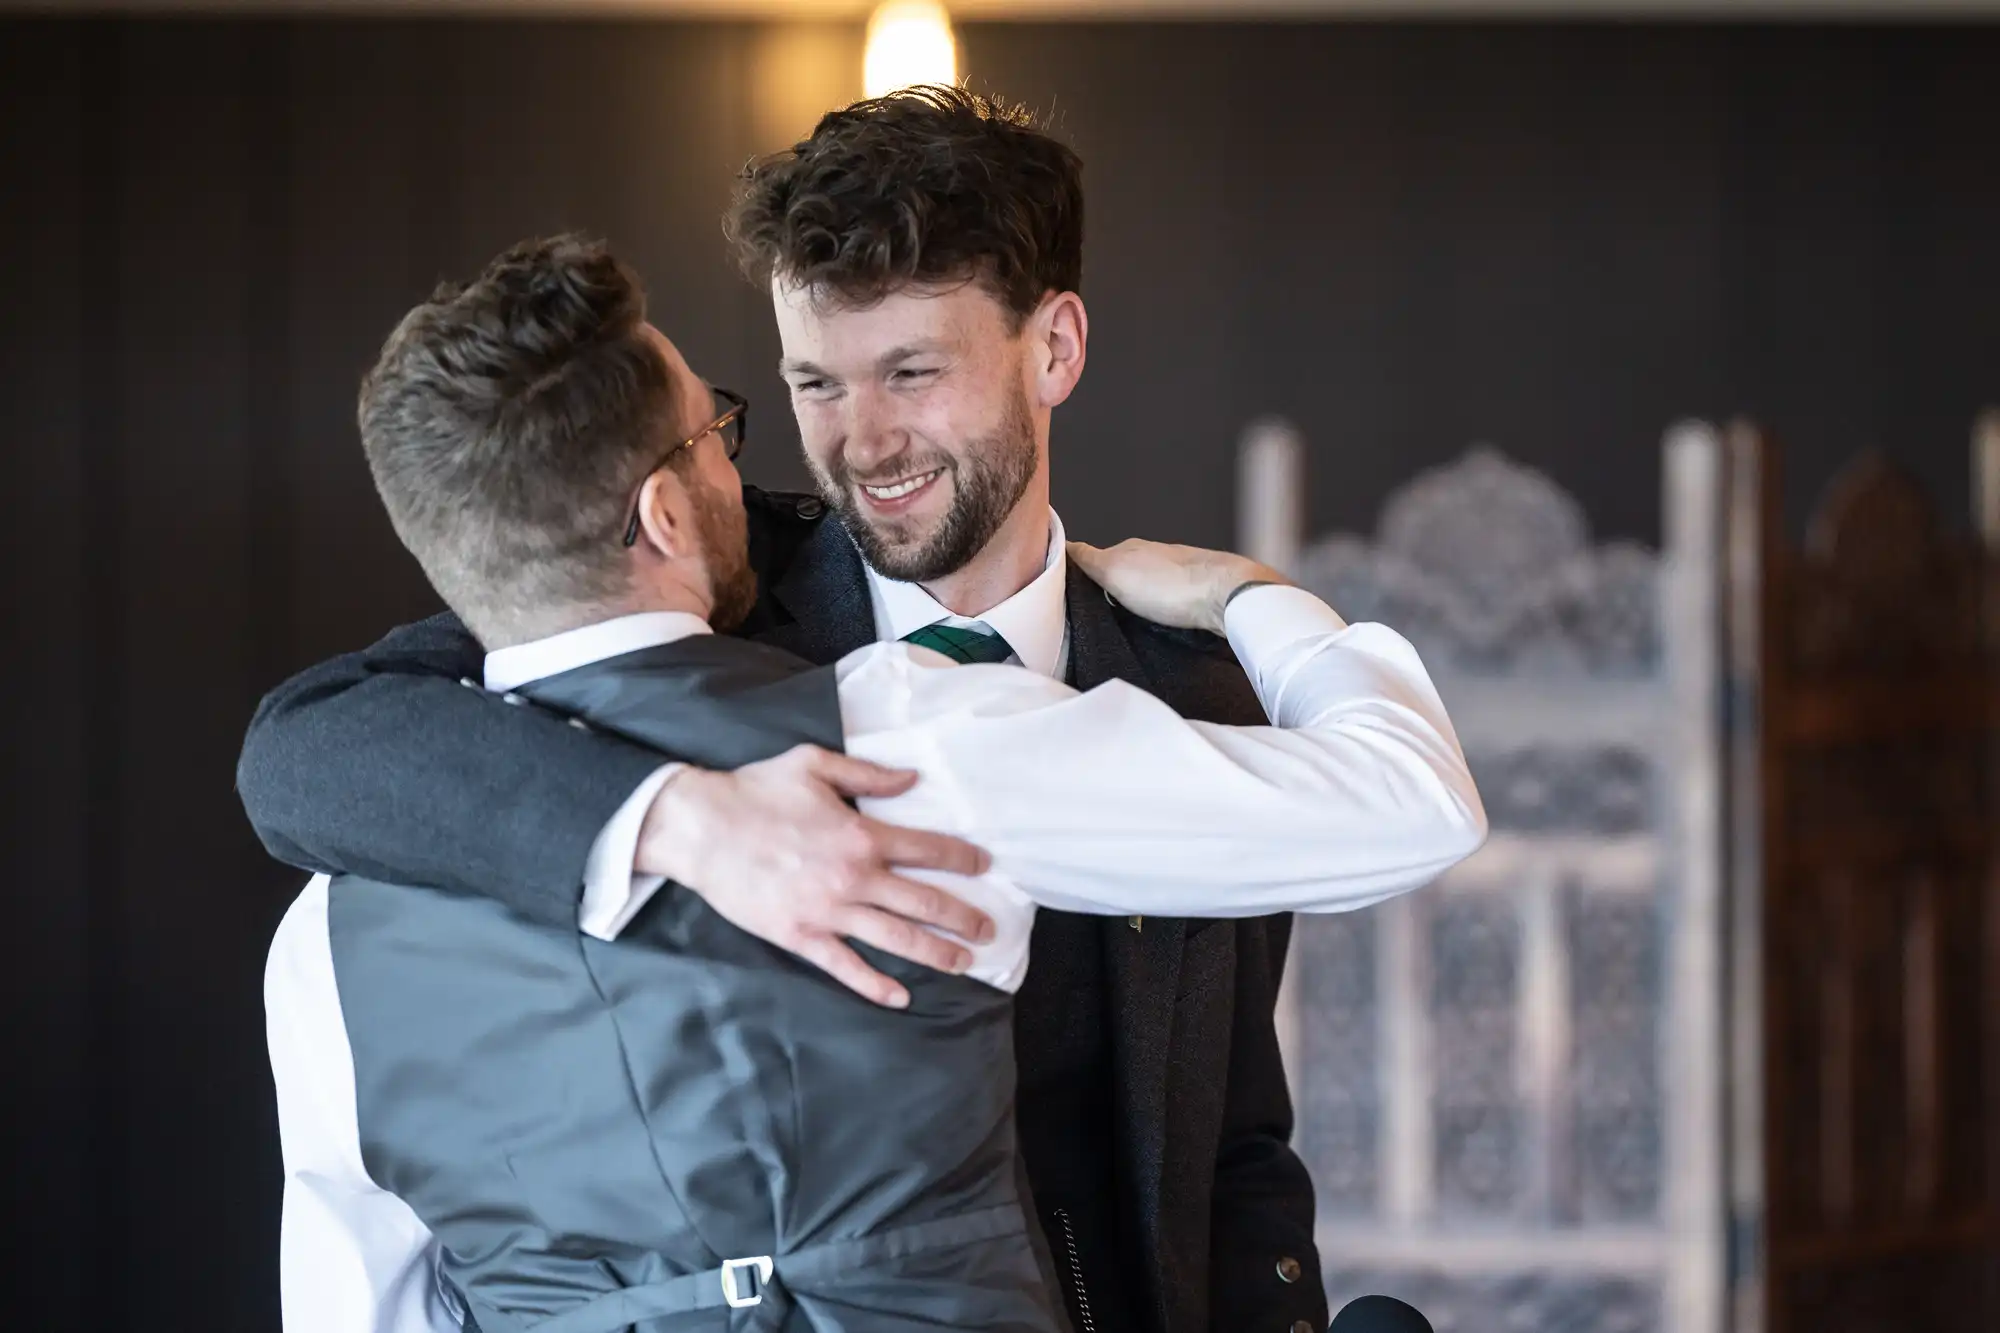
<point>1404,237</point>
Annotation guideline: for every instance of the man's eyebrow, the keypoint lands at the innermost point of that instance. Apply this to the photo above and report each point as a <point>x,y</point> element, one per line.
<point>922,347</point>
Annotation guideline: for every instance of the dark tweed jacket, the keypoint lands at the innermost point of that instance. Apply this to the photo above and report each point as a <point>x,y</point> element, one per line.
<point>381,764</point>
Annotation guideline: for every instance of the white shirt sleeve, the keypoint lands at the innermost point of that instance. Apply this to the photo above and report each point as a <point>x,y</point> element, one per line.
<point>613,888</point>
<point>1110,802</point>
<point>352,1257</point>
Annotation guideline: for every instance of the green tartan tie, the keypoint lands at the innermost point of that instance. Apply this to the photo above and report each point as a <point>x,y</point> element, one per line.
<point>962,643</point>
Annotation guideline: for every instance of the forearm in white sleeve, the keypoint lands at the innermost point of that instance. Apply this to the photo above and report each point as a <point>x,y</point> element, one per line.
<point>352,1257</point>
<point>1111,802</point>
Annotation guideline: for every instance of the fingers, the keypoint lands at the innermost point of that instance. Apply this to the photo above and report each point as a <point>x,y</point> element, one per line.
<point>1097,563</point>
<point>832,956</point>
<point>1124,559</point>
<point>857,777</point>
<point>905,939</point>
<point>924,850</point>
<point>927,903</point>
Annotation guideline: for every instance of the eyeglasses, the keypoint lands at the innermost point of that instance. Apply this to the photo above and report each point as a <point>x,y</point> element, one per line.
<point>731,426</point>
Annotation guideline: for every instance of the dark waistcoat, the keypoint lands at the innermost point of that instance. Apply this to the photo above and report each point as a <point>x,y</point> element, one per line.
<point>637,1134</point>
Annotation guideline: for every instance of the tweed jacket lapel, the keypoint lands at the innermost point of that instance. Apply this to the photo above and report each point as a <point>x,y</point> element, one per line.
<point>1144,963</point>
<point>825,592</point>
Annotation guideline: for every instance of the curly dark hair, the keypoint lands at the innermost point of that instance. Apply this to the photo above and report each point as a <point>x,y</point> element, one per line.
<point>928,185</point>
<point>507,422</point>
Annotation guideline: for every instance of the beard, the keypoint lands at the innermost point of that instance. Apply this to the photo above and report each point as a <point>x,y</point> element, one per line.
<point>725,538</point>
<point>988,479</point>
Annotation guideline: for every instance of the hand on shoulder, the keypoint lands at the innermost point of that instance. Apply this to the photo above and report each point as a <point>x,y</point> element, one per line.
<point>1186,587</point>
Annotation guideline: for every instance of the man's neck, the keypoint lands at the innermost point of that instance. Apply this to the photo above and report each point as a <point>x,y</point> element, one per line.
<point>511,667</point>
<point>1014,558</point>
<point>563,620</point>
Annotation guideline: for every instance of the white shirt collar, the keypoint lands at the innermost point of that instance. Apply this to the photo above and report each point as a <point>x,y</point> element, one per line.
<point>1033,621</point>
<point>511,668</point>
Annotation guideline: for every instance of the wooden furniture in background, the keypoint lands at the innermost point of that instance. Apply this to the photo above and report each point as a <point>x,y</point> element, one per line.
<point>1863,670</point>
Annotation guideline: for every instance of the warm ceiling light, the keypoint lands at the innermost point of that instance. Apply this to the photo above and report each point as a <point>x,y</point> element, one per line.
<point>909,42</point>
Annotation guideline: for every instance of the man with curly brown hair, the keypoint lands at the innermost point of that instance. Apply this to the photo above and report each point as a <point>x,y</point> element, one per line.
<point>924,255</point>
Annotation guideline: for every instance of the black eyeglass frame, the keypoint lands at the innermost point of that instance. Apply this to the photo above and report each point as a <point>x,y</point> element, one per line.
<point>732,444</point>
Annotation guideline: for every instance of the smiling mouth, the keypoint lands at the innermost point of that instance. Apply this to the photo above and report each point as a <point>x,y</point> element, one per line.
<point>901,489</point>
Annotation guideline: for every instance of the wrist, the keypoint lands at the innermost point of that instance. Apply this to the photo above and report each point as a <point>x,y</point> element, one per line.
<point>1246,586</point>
<point>670,838</point>
<point>1248,578</point>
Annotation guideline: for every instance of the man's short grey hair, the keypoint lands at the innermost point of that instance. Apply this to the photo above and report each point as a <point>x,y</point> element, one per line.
<point>508,422</point>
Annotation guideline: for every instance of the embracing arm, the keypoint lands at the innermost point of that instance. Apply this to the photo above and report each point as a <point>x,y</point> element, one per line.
<point>1111,802</point>
<point>381,763</point>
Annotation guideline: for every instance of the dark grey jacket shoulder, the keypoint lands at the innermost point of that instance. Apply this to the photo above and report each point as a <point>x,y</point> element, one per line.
<point>356,764</point>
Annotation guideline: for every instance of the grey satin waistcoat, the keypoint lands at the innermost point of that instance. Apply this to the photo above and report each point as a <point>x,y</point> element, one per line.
<point>618,1136</point>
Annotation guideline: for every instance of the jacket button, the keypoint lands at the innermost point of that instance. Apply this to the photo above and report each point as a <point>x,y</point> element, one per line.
<point>1288,1271</point>
<point>808,507</point>
<point>1304,1326</point>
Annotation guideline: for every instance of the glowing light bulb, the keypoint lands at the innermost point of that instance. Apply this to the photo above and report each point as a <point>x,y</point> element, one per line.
<point>909,42</point>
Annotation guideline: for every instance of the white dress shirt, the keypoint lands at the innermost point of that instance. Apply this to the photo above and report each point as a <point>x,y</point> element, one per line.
<point>1034,622</point>
<point>1105,801</point>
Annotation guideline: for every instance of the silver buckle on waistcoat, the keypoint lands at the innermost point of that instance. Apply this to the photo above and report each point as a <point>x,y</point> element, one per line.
<point>730,1267</point>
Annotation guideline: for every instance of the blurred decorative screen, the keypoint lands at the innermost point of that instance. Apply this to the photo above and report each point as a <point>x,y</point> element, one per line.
<point>1508,1083</point>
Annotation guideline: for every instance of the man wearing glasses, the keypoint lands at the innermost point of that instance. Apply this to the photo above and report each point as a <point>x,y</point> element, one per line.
<point>496,1122</point>
<point>924,255</point>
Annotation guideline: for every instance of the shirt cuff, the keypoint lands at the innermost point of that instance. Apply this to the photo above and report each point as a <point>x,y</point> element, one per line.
<point>613,890</point>
<point>1265,621</point>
